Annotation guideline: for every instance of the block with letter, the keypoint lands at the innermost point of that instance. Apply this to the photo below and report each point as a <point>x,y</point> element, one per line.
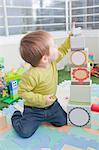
<point>79,114</point>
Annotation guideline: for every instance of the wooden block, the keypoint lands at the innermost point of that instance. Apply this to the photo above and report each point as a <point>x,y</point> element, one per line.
<point>79,115</point>
<point>80,75</point>
<point>80,93</point>
<point>78,58</point>
<point>77,42</point>
<point>69,147</point>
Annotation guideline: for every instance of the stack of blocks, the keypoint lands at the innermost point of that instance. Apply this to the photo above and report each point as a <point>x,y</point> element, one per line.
<point>79,105</point>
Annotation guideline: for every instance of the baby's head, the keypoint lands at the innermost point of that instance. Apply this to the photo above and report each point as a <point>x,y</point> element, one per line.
<point>38,47</point>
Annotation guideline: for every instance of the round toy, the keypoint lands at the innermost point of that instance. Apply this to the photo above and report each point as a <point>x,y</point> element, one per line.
<point>79,116</point>
<point>80,74</point>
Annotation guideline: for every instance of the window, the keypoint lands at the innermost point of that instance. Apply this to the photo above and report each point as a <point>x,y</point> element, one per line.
<point>85,13</point>
<point>2,31</point>
<point>21,16</point>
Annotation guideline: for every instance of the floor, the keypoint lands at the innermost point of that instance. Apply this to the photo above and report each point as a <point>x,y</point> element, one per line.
<point>48,137</point>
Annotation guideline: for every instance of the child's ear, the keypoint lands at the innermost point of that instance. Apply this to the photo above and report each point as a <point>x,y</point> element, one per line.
<point>45,59</point>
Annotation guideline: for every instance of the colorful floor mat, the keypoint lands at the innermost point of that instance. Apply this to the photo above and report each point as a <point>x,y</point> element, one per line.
<point>53,138</point>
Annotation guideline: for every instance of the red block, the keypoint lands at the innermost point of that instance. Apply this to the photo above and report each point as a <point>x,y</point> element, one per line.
<point>95,107</point>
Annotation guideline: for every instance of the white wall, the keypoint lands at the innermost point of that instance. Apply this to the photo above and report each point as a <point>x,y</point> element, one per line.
<point>92,42</point>
<point>9,48</point>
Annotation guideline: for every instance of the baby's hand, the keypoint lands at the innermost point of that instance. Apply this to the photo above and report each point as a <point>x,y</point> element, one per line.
<point>49,99</point>
<point>70,33</point>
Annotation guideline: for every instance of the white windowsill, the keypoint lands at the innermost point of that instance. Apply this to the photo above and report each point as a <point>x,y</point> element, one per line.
<point>15,39</point>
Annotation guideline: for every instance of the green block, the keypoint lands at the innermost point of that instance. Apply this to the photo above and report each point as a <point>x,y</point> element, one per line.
<point>3,98</point>
<point>9,100</point>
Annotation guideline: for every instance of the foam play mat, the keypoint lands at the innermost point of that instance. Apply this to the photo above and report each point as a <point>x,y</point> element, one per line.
<point>48,137</point>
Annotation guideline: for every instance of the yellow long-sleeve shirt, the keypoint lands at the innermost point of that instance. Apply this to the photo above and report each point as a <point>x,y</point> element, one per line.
<point>38,82</point>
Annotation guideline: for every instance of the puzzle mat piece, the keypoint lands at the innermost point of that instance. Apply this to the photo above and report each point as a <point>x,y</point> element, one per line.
<point>45,149</point>
<point>90,148</point>
<point>69,147</point>
<point>95,99</point>
<point>80,132</point>
<point>95,90</point>
<point>7,144</point>
<point>76,142</point>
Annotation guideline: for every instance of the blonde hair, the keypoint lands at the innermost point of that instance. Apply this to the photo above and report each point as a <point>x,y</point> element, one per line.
<point>35,45</point>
